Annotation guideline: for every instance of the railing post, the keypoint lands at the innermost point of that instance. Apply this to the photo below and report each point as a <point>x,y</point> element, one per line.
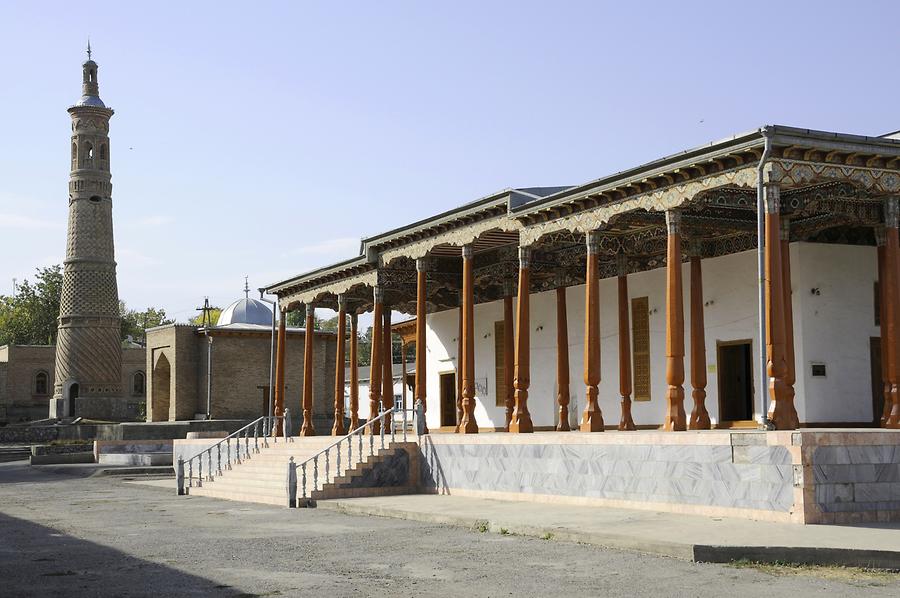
<point>371,439</point>
<point>359,436</point>
<point>209,476</point>
<point>191,473</point>
<point>200,471</point>
<point>327,464</point>
<point>350,452</point>
<point>179,476</point>
<point>228,454</point>
<point>404,423</point>
<point>315,473</point>
<point>420,418</point>
<point>247,443</point>
<point>256,437</point>
<point>218,458</point>
<point>292,484</point>
<point>393,410</point>
<point>381,431</point>
<point>303,466</point>
<point>337,466</point>
<point>287,423</point>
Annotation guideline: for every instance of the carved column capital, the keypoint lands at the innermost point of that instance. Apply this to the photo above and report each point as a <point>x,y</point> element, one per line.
<point>378,294</point>
<point>592,241</point>
<point>772,194</point>
<point>673,221</point>
<point>524,258</point>
<point>622,264</point>
<point>468,251</point>
<point>341,302</point>
<point>891,212</point>
<point>423,264</point>
<point>310,310</point>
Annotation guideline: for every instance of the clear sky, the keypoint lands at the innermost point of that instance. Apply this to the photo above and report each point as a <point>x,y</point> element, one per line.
<point>266,138</point>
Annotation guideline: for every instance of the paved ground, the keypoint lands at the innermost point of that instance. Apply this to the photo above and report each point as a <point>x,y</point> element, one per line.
<point>709,539</point>
<point>98,536</point>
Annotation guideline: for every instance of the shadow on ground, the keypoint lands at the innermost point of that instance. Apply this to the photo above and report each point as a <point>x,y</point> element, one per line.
<point>41,561</point>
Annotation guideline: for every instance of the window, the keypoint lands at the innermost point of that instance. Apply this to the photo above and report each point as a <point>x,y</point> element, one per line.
<point>640,333</point>
<point>499,364</point>
<point>41,383</point>
<point>137,384</point>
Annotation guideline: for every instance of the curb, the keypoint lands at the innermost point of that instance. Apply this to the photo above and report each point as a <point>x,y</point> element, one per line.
<point>702,553</point>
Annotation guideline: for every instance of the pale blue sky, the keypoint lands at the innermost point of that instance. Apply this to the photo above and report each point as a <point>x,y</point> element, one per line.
<point>266,138</point>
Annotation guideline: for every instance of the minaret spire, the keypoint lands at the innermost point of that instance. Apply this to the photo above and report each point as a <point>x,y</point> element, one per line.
<point>89,48</point>
<point>247,287</point>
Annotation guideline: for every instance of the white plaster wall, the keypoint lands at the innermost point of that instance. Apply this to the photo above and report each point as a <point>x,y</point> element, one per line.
<point>364,411</point>
<point>833,327</point>
<point>836,325</point>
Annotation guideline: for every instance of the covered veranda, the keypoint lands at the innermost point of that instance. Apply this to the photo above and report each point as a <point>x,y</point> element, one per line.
<point>812,187</point>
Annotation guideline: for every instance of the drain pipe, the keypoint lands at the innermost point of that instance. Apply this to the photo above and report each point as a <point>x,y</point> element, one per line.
<point>763,379</point>
<point>274,305</point>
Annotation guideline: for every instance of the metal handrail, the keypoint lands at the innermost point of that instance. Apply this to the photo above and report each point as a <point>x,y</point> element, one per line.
<point>383,418</point>
<point>265,425</point>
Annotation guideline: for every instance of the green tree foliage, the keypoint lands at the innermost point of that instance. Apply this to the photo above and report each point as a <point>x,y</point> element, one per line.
<point>29,317</point>
<point>134,322</point>
<point>214,313</point>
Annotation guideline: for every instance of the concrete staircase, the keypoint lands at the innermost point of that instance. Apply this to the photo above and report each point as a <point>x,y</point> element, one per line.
<point>263,478</point>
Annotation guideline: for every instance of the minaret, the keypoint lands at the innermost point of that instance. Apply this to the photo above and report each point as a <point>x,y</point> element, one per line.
<point>88,346</point>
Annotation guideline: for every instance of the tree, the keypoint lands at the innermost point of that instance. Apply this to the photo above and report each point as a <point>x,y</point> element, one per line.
<point>134,322</point>
<point>30,316</point>
<point>214,313</point>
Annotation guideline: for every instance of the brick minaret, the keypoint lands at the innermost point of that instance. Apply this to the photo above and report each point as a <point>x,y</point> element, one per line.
<point>88,349</point>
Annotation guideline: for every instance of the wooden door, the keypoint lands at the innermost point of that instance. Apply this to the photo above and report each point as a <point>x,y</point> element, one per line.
<point>735,376</point>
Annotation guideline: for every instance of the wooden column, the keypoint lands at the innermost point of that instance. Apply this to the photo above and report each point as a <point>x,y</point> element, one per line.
<point>354,374</point>
<point>308,429</point>
<point>375,361</point>
<point>278,408</point>
<point>790,376</point>
<point>508,353</point>
<point>626,422</point>
<point>592,419</point>
<point>781,409</point>
<point>882,322</point>
<point>699,415</point>
<point>403,373</point>
<point>675,417</point>
<point>460,349</point>
<point>468,425</point>
<point>521,419</point>
<point>420,392</point>
<point>338,428</point>
<point>562,360</point>
<point>892,309</point>
<point>387,365</point>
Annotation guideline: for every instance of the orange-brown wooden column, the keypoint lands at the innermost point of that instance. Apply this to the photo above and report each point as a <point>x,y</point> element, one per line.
<point>354,374</point>
<point>468,425</point>
<point>375,361</point>
<point>790,375</point>
<point>626,422</point>
<point>592,419</point>
<point>338,428</point>
<point>521,419</point>
<point>892,308</point>
<point>699,415</point>
<point>562,360</point>
<point>308,429</point>
<point>460,351</point>
<point>278,408</point>
<point>781,409</point>
<point>387,365</point>
<point>675,419</point>
<point>508,352</point>
<point>420,394</point>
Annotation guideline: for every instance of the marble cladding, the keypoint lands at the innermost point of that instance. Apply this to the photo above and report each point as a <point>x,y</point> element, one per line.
<point>746,475</point>
<point>857,478</point>
<point>392,471</point>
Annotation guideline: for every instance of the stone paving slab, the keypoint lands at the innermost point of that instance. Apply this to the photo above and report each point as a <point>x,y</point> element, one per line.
<point>695,538</point>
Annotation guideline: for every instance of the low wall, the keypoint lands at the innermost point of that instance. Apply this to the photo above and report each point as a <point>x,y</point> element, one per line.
<point>121,431</point>
<point>776,476</point>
